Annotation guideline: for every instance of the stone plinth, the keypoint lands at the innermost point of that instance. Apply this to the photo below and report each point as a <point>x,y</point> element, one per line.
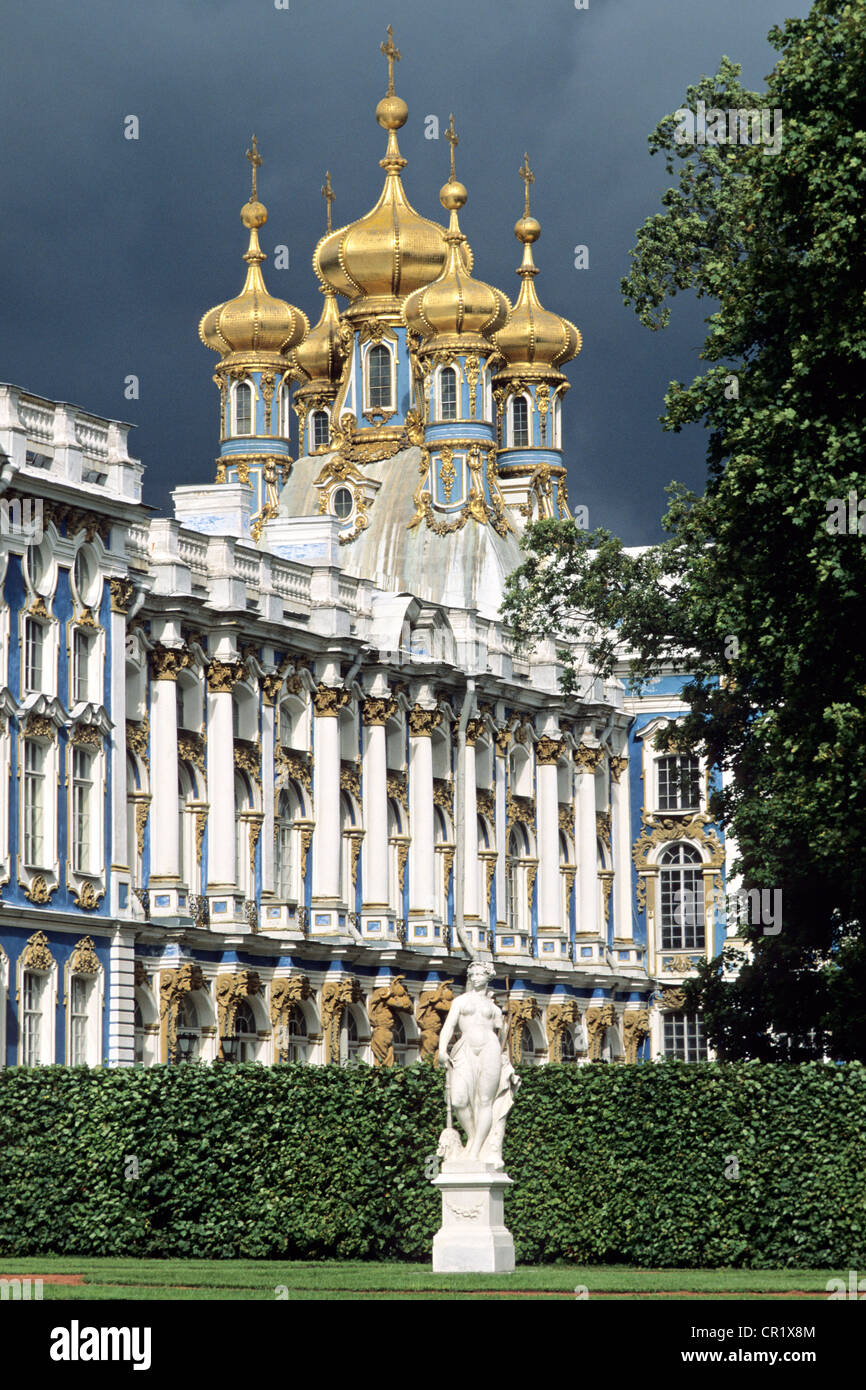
<point>473,1238</point>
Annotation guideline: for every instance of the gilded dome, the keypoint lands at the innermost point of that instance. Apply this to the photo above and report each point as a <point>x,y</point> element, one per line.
<point>254,324</point>
<point>391,251</point>
<point>455,309</point>
<point>534,341</point>
<point>323,352</point>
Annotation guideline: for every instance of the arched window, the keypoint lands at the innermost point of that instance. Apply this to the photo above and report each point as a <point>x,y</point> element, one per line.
<point>245,1033</point>
<point>519,423</point>
<point>351,1046</point>
<point>441,837</point>
<point>296,1040</point>
<point>188,1030</point>
<point>346,823</point>
<point>185,828</point>
<point>513,913</point>
<point>448,394</point>
<point>566,1051</point>
<point>243,803</point>
<point>528,1053</point>
<point>243,408</point>
<point>283,858</point>
<point>679,783</point>
<point>320,430</point>
<point>682,899</point>
<point>379,378</point>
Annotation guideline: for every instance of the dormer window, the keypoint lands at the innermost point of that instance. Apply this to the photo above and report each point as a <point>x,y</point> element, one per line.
<point>448,394</point>
<point>519,423</point>
<point>679,783</point>
<point>243,408</point>
<point>379,378</point>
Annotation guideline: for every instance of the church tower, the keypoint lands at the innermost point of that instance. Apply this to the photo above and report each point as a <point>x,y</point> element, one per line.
<point>255,335</point>
<point>529,387</point>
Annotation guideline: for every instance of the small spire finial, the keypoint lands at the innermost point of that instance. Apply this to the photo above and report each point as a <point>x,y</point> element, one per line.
<point>392,54</point>
<point>256,162</point>
<point>329,195</point>
<point>528,178</point>
<point>451,137</point>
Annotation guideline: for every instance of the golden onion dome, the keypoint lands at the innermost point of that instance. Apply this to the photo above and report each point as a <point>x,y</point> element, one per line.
<point>455,310</point>
<point>391,251</point>
<point>254,324</point>
<point>534,341</point>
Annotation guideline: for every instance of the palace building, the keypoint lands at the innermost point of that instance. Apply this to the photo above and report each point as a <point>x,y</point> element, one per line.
<point>265,761</point>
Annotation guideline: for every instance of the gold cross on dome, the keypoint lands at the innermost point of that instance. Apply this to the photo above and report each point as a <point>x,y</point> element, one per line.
<point>528,177</point>
<point>391,53</point>
<point>256,161</point>
<point>329,195</point>
<point>451,137</point>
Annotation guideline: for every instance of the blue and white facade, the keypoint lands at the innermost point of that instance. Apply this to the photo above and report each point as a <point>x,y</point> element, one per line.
<point>235,742</point>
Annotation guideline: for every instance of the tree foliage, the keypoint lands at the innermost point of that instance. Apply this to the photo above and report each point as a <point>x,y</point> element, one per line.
<point>754,589</point>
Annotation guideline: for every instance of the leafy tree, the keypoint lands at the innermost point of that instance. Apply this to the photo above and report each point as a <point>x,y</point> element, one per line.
<point>756,586</point>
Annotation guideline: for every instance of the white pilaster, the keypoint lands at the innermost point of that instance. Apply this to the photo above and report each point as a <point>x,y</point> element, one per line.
<point>164,863</point>
<point>620,818</point>
<point>547,810</point>
<point>121,994</point>
<point>471,904</point>
<point>221,867</point>
<point>374,783</point>
<point>422,893</point>
<point>588,917</point>
<point>326,838</point>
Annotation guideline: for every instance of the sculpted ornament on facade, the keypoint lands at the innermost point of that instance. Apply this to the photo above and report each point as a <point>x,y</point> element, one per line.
<point>286,994</point>
<point>248,758</point>
<point>430,1014</point>
<point>560,1018</point>
<point>230,991</point>
<point>635,1027</point>
<point>519,1013</point>
<point>336,996</point>
<point>329,700</point>
<point>397,786</point>
<point>422,722</point>
<point>659,831</point>
<point>191,749</point>
<point>173,985</point>
<point>376,710</point>
<point>223,676</point>
<point>672,1000</point>
<point>548,751</point>
<point>37,954</point>
<point>138,738</point>
<point>295,765</point>
<point>122,591</point>
<point>598,1019</point>
<point>617,767</point>
<point>38,890</point>
<point>39,726</point>
<point>587,759</point>
<point>165,662</point>
<point>383,1005</point>
<point>87,897</point>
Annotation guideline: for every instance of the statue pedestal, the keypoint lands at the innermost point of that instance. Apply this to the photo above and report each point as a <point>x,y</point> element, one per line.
<point>473,1238</point>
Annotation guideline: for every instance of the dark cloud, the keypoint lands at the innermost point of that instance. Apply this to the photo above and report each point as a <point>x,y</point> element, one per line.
<point>112,249</point>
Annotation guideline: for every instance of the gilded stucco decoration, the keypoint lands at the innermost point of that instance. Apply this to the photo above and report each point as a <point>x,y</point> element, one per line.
<point>122,592</point>
<point>37,954</point>
<point>598,1019</point>
<point>336,996</point>
<point>422,722</point>
<point>560,1018</point>
<point>223,676</point>
<point>635,1027</point>
<point>431,1012</point>
<point>286,994</point>
<point>38,890</point>
<point>329,700</point>
<point>657,832</point>
<point>384,1004</point>
<point>519,1013</point>
<point>230,991</point>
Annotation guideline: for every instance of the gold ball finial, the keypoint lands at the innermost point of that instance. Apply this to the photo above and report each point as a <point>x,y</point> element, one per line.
<point>527,228</point>
<point>452,195</point>
<point>254,213</point>
<point>392,112</point>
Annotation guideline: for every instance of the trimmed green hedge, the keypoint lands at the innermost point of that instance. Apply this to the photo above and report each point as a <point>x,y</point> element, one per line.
<point>610,1163</point>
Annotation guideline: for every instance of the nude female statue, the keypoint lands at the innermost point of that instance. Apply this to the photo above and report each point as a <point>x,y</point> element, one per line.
<point>481,1081</point>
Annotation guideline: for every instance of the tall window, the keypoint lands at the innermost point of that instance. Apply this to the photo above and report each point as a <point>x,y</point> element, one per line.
<point>566,1051</point>
<point>33,644</point>
<point>448,394</point>
<point>32,995</point>
<point>401,1047</point>
<point>78,991</point>
<point>679,784</point>
<point>283,849</point>
<point>528,1053</point>
<point>82,647</point>
<point>379,377</point>
<point>351,1043</point>
<point>296,1042</point>
<point>245,1033</point>
<point>321,432</point>
<point>519,423</point>
<point>285,412</point>
<point>34,804</point>
<point>684,1037</point>
<point>243,408</point>
<point>82,811</point>
<point>512,876</point>
<point>243,802</point>
<point>682,899</point>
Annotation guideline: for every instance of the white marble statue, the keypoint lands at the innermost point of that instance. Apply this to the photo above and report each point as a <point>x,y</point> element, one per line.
<point>481,1082</point>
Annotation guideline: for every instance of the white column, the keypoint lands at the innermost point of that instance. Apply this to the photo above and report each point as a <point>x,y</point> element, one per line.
<point>422,893</point>
<point>221,867</point>
<point>374,785</point>
<point>121,994</point>
<point>327,703</point>
<point>164,863</point>
<point>547,752</point>
<point>620,839</point>
<point>588,918</point>
<point>471,905</point>
<point>499,767</point>
<point>121,596</point>
<point>268,782</point>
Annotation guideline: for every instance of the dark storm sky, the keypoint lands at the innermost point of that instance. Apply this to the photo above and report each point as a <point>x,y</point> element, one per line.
<point>111,250</point>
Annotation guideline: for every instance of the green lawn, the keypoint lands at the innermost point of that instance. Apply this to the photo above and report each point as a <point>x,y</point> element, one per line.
<point>267,1279</point>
